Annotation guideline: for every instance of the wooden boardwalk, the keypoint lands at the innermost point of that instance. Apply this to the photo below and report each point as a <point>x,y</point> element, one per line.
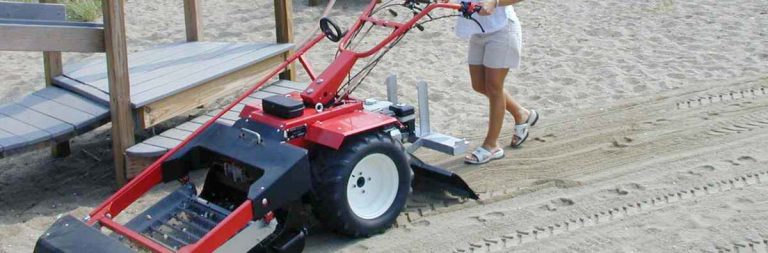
<point>175,78</point>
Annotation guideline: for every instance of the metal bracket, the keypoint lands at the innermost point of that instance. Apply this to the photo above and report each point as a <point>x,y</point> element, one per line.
<point>426,138</point>
<point>246,134</point>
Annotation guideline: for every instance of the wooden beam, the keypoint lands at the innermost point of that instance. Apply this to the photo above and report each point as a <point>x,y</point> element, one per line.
<point>53,67</point>
<point>204,94</point>
<point>193,20</point>
<point>284,32</point>
<point>119,84</point>
<point>45,37</point>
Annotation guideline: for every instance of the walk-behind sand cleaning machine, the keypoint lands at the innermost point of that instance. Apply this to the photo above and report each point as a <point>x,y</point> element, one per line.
<point>318,150</point>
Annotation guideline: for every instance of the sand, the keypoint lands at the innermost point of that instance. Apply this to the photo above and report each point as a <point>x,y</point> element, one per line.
<point>652,138</point>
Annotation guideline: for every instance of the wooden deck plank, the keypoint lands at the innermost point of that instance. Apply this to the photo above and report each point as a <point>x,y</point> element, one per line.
<point>198,65</point>
<point>96,69</point>
<point>57,129</point>
<point>201,119</point>
<point>28,133</point>
<point>82,89</point>
<point>98,62</point>
<point>146,150</point>
<point>297,86</point>
<point>78,119</point>
<point>176,84</point>
<point>188,61</point>
<point>68,98</point>
<point>162,141</point>
<point>9,141</point>
<point>239,107</point>
<point>176,134</point>
<point>262,94</point>
<point>189,126</point>
<point>204,94</point>
<point>278,89</point>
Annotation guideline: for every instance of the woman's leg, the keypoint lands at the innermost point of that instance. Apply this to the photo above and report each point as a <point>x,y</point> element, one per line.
<point>478,76</point>
<point>497,99</point>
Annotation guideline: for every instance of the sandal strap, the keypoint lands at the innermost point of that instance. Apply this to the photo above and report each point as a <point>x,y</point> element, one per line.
<point>521,129</point>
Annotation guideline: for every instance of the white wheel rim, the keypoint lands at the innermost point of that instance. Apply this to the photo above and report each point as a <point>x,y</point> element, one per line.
<point>372,186</point>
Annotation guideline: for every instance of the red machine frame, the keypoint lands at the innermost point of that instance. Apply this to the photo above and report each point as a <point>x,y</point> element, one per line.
<point>328,127</point>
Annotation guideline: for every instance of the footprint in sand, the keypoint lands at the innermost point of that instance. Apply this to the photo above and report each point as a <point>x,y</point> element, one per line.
<point>701,170</point>
<point>746,159</point>
<point>544,138</point>
<point>488,216</point>
<point>557,203</point>
<point>742,160</point>
<point>622,142</point>
<point>421,223</point>
<point>621,190</point>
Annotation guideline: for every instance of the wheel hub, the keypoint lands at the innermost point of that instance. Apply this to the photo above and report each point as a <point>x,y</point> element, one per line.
<point>373,186</point>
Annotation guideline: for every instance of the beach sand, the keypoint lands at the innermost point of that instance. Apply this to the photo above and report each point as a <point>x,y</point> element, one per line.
<point>652,137</point>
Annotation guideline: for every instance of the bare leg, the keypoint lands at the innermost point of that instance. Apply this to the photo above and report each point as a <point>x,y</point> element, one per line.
<point>497,98</point>
<point>478,75</point>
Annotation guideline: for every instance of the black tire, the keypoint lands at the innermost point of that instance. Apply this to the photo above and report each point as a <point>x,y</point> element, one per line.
<point>332,169</point>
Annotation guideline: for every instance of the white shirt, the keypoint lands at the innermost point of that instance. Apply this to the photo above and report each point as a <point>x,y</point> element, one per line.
<point>465,28</point>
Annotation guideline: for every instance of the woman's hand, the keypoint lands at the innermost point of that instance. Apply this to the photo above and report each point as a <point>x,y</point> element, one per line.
<point>489,7</point>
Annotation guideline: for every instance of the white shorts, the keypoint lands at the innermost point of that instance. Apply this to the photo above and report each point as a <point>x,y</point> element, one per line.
<point>500,49</point>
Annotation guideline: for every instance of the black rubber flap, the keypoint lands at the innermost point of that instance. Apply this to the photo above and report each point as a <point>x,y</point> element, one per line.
<point>441,178</point>
<point>69,234</point>
<point>282,106</point>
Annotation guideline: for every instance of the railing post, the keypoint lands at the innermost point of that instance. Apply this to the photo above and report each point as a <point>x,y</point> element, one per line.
<point>193,20</point>
<point>284,32</point>
<point>119,85</point>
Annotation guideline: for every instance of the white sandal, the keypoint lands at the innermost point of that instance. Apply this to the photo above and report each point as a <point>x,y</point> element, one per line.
<point>483,156</point>
<point>521,130</point>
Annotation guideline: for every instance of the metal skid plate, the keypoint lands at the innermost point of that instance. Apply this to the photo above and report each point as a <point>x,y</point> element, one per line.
<point>441,143</point>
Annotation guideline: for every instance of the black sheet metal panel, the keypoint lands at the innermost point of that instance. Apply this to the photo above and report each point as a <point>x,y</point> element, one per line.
<point>69,234</point>
<point>441,178</point>
<point>33,11</point>
<point>286,167</point>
